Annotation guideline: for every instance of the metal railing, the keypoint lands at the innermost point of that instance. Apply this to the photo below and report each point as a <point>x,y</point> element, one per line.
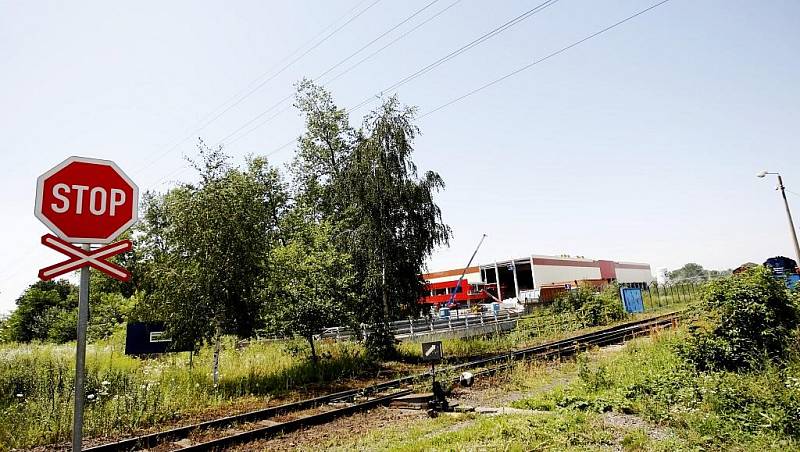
<point>424,326</point>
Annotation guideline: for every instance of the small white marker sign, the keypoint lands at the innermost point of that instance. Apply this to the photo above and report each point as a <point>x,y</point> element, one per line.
<point>432,351</point>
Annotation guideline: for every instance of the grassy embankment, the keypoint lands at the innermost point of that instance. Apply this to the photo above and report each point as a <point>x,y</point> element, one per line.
<point>128,394</point>
<point>125,394</point>
<point>720,410</point>
<point>643,397</point>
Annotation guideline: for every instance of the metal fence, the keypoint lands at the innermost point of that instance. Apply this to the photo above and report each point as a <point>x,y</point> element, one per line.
<point>654,297</point>
<point>424,326</point>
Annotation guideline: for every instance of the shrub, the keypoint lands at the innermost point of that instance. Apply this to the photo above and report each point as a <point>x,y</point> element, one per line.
<point>611,304</point>
<point>592,308</point>
<point>741,321</point>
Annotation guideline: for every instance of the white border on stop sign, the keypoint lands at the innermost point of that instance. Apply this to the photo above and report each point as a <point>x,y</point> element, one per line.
<point>37,212</point>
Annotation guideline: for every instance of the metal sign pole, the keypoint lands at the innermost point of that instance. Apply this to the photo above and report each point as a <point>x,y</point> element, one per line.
<point>80,357</point>
<point>60,210</point>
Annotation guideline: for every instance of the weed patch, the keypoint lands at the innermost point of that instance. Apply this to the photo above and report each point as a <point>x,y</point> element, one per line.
<point>715,410</point>
<point>544,431</point>
<point>126,394</point>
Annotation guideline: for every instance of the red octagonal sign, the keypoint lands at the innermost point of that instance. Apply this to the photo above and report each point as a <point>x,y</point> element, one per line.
<point>85,200</point>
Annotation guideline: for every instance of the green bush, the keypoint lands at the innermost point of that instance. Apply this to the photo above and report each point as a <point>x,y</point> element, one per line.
<point>741,321</point>
<point>592,308</point>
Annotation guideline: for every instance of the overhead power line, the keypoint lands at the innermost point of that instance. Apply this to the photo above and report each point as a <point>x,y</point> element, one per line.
<point>239,97</point>
<point>186,167</point>
<point>229,138</point>
<point>528,66</point>
<point>350,68</point>
<point>377,38</point>
<point>543,59</point>
<point>284,99</point>
<point>486,36</point>
<point>479,40</point>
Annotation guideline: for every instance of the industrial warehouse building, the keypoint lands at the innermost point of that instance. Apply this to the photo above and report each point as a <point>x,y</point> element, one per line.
<point>537,277</point>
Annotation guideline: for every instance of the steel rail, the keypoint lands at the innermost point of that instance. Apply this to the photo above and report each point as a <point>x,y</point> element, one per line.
<point>294,424</point>
<point>153,439</point>
<point>562,347</point>
<point>574,347</point>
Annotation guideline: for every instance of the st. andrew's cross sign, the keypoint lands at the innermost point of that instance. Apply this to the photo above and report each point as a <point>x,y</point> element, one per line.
<point>80,258</point>
<point>84,200</point>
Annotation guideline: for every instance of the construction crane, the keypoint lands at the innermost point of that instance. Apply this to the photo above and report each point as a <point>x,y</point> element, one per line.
<point>463,272</point>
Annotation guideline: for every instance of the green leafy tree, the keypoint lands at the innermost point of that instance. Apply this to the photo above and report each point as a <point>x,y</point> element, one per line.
<point>5,334</point>
<point>312,284</point>
<point>323,152</point>
<point>38,307</point>
<point>383,213</point>
<point>208,244</point>
<point>742,320</point>
<point>48,311</point>
<point>393,217</point>
<point>107,312</point>
<point>101,283</point>
<point>62,323</point>
<point>692,272</point>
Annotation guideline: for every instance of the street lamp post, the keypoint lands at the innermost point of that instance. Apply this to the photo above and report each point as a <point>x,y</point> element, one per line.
<point>788,213</point>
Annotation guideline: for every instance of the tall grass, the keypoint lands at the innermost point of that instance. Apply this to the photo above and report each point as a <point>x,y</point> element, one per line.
<point>706,410</point>
<point>124,394</point>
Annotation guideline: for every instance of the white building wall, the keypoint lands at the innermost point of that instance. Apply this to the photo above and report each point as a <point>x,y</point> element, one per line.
<point>661,276</point>
<point>549,274</point>
<point>632,275</point>
<point>471,278</point>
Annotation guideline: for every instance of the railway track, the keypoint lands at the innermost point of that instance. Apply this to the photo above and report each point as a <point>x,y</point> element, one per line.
<point>376,394</point>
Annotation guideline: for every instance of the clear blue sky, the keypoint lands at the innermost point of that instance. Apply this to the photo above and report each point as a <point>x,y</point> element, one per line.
<point>641,144</point>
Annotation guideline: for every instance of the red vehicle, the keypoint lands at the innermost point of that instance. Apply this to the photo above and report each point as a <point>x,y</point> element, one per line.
<point>440,293</point>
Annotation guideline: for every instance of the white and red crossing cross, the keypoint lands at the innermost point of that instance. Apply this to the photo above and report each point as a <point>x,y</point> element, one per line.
<point>79,258</point>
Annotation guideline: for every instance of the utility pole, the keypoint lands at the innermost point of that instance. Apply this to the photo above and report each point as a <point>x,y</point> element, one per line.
<point>788,213</point>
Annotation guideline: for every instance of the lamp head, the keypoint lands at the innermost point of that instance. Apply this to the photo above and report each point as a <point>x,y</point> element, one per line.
<point>761,174</point>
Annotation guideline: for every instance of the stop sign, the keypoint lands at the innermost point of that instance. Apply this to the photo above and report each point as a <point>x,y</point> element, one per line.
<point>86,200</point>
